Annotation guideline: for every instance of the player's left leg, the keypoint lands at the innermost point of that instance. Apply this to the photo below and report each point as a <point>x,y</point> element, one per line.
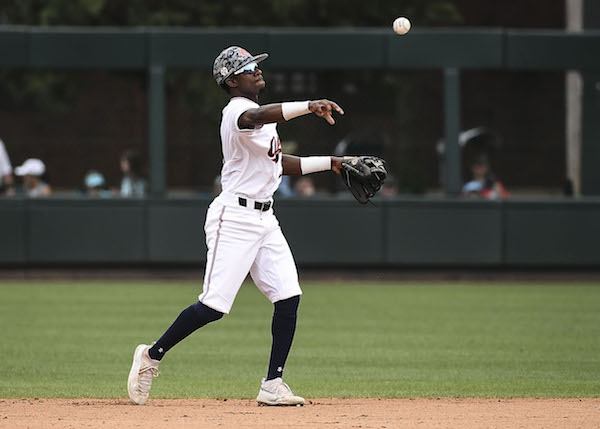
<point>274,273</point>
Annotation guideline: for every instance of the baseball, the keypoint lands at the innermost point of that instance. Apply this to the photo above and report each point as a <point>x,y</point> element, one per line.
<point>401,25</point>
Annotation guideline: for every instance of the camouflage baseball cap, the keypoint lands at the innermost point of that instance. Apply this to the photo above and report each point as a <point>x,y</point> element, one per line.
<point>231,60</point>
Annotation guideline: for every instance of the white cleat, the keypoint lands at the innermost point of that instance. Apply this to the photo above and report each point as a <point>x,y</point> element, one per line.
<point>276,392</point>
<point>143,370</point>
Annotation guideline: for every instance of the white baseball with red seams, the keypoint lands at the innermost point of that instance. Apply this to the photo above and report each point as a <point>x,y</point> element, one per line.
<point>401,25</point>
<point>242,239</point>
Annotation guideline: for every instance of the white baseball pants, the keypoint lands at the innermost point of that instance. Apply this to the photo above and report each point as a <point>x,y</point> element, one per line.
<point>241,240</point>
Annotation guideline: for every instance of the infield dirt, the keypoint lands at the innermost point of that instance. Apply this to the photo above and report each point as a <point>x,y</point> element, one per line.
<point>318,413</point>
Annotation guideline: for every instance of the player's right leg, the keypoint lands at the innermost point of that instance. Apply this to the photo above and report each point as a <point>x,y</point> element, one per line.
<point>143,369</point>
<point>233,237</point>
<point>147,357</point>
<point>232,245</point>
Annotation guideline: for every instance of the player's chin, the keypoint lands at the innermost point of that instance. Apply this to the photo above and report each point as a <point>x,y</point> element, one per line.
<point>261,84</point>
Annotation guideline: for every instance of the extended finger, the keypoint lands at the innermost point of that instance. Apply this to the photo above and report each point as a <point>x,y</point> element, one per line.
<point>329,119</point>
<point>337,108</point>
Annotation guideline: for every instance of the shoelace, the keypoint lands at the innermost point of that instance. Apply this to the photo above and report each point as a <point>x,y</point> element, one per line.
<point>145,379</point>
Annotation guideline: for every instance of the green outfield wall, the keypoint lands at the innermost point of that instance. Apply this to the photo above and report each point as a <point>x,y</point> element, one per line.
<point>326,232</point>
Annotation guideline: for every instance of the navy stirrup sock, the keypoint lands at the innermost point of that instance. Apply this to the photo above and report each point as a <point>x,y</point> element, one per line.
<point>282,329</point>
<point>190,319</point>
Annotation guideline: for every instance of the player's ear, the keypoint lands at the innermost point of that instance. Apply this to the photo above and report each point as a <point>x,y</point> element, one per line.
<point>231,82</point>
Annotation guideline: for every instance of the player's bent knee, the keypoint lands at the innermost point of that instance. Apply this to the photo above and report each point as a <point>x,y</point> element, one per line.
<point>287,307</point>
<point>207,314</point>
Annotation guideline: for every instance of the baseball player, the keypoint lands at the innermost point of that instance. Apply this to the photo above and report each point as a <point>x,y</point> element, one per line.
<point>242,233</point>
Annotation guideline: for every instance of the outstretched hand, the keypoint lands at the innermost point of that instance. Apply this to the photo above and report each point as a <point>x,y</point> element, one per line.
<point>324,109</point>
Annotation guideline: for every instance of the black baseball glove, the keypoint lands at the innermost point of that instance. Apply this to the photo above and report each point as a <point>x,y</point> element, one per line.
<point>363,175</point>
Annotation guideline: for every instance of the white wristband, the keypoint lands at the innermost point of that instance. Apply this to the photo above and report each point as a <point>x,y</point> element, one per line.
<point>312,164</point>
<point>294,109</point>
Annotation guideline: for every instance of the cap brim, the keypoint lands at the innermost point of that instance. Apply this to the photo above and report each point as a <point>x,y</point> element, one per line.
<point>253,59</point>
<point>260,57</point>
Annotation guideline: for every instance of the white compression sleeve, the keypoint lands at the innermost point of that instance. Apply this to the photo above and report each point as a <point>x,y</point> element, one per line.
<point>312,164</point>
<point>294,109</point>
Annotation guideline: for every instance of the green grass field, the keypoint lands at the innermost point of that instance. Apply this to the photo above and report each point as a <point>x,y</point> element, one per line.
<point>68,339</point>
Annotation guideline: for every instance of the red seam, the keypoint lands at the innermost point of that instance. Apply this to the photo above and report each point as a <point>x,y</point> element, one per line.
<point>212,263</point>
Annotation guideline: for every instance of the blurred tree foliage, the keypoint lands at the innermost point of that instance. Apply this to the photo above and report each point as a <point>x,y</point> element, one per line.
<point>201,13</point>
<point>24,90</point>
<point>51,90</point>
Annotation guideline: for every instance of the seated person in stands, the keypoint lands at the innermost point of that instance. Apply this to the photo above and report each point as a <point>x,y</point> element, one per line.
<point>32,171</point>
<point>484,183</point>
<point>305,187</point>
<point>95,185</point>
<point>390,187</point>
<point>133,183</point>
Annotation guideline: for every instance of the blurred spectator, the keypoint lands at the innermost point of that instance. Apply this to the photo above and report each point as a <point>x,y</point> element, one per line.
<point>95,185</point>
<point>484,183</point>
<point>389,187</point>
<point>285,189</point>
<point>305,187</point>
<point>472,189</point>
<point>6,178</point>
<point>217,187</point>
<point>568,188</point>
<point>32,171</point>
<point>133,183</point>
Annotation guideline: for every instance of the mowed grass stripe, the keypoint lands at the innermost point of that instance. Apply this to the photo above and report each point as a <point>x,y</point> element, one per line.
<point>353,340</point>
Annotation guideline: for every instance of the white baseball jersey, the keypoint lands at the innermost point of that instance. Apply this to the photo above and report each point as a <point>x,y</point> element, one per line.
<point>251,157</point>
<point>241,238</point>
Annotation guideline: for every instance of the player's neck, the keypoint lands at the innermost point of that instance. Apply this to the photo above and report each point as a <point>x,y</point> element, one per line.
<point>251,97</point>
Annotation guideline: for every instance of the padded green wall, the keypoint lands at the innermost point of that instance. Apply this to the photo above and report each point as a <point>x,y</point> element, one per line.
<point>403,232</point>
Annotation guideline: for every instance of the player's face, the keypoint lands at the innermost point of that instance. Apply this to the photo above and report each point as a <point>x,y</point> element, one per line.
<point>250,80</point>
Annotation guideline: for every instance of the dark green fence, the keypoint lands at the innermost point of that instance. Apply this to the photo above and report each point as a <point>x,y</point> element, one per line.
<point>318,48</point>
<point>453,49</point>
<point>403,232</point>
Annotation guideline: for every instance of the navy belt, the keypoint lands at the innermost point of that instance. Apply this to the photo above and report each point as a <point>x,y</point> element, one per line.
<point>263,207</point>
